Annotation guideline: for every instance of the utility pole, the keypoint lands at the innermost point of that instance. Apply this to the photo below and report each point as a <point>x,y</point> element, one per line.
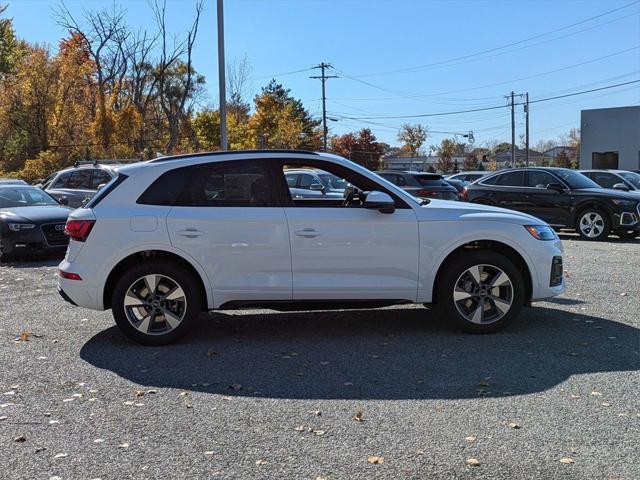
<point>221,79</point>
<point>513,133</point>
<point>323,78</point>
<point>526,122</point>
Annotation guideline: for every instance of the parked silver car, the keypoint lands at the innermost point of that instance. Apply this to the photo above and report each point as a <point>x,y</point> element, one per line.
<point>79,183</point>
<point>317,184</point>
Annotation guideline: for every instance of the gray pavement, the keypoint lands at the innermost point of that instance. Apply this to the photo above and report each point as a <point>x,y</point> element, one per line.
<point>260,394</point>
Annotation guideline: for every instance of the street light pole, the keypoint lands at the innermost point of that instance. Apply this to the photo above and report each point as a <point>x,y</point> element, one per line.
<point>221,79</point>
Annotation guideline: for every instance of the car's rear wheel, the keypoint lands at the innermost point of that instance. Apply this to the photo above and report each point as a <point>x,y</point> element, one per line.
<point>155,303</point>
<point>593,224</point>
<point>480,291</point>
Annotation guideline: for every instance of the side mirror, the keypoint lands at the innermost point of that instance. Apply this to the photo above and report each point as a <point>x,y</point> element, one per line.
<point>63,201</point>
<point>557,187</point>
<point>621,186</point>
<point>380,201</point>
<point>317,187</point>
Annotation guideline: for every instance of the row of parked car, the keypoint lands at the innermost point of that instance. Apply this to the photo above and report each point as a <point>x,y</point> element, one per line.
<point>594,203</point>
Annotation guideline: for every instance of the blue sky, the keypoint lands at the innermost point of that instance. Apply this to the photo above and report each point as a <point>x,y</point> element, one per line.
<point>368,42</point>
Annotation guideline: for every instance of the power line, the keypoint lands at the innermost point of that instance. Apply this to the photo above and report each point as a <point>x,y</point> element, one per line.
<point>282,74</point>
<point>501,47</point>
<point>495,107</point>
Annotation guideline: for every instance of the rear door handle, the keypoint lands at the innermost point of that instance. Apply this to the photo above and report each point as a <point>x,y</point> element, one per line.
<point>190,233</point>
<point>307,233</point>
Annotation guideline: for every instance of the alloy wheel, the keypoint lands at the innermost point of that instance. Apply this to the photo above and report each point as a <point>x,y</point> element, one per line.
<point>483,294</point>
<point>155,304</point>
<point>592,224</point>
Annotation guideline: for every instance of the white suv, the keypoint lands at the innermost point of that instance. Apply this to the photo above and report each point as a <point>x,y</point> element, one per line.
<point>175,236</point>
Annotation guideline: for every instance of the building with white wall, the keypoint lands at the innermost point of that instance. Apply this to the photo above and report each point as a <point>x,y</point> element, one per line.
<point>610,138</point>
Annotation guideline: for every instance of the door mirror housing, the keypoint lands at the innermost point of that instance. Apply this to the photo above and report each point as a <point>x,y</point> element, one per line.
<point>380,201</point>
<point>556,187</point>
<point>621,186</point>
<point>63,201</point>
<point>317,187</point>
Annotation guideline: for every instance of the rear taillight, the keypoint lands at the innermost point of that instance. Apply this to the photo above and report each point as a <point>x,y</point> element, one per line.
<point>69,275</point>
<point>427,193</point>
<point>78,229</point>
<point>464,194</point>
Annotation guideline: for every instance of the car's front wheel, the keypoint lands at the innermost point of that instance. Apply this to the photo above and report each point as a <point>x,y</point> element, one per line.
<point>593,224</point>
<point>480,291</point>
<point>155,303</point>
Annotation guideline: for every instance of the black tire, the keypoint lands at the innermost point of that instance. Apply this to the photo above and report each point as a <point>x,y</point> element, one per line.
<point>600,221</point>
<point>627,234</point>
<point>168,272</point>
<point>455,272</point>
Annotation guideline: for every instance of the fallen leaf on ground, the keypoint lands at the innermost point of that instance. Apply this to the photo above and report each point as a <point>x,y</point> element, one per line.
<point>596,394</point>
<point>319,432</point>
<point>61,455</point>
<point>375,460</point>
<point>419,451</point>
<point>98,440</point>
<point>317,413</point>
<point>123,445</point>
<point>209,452</point>
<point>514,425</point>
<point>623,294</point>
<point>139,393</point>
<point>3,418</point>
<point>470,439</point>
<point>20,439</point>
<point>359,416</point>
<point>24,336</point>
<point>40,449</point>
<point>566,460</point>
<point>300,429</point>
<point>605,404</point>
<point>261,461</point>
<point>473,462</point>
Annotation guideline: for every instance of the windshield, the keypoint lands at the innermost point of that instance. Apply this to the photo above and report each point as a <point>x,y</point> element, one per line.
<point>332,181</point>
<point>24,197</point>
<point>575,180</point>
<point>631,177</point>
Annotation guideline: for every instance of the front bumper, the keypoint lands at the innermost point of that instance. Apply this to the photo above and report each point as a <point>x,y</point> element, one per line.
<point>29,241</point>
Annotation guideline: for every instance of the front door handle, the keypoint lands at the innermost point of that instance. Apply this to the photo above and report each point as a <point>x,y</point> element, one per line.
<point>307,233</point>
<point>190,233</point>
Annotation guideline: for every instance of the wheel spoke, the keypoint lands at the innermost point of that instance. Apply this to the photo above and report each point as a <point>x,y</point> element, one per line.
<point>151,282</point>
<point>133,300</point>
<point>478,314</point>
<point>476,273</point>
<point>146,323</point>
<point>461,295</point>
<point>175,294</point>
<point>501,305</point>
<point>172,319</point>
<point>499,279</point>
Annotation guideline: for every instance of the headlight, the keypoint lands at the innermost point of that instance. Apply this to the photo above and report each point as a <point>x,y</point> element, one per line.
<point>624,203</point>
<point>16,227</point>
<point>541,232</point>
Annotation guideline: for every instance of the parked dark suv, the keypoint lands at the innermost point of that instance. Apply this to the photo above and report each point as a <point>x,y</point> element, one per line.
<point>563,198</point>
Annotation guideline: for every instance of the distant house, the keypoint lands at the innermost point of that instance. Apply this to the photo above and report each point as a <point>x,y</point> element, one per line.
<point>503,159</point>
<point>555,152</point>
<point>419,164</point>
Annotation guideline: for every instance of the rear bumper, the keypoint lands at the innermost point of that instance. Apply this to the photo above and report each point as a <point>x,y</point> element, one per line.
<point>66,297</point>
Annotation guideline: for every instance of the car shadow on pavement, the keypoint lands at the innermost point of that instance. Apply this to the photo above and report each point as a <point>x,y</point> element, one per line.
<point>400,353</point>
<point>32,261</point>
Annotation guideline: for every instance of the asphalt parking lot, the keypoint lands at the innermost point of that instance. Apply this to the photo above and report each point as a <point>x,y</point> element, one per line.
<point>276,395</point>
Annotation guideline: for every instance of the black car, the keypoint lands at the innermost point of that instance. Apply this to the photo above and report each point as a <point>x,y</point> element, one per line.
<point>563,198</point>
<point>457,184</point>
<point>30,221</point>
<point>425,185</point>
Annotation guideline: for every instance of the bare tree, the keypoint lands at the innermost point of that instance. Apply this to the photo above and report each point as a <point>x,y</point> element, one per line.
<point>105,34</point>
<point>238,73</point>
<point>177,80</point>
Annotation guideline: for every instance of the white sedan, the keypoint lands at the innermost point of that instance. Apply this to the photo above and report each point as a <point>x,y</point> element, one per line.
<point>169,238</point>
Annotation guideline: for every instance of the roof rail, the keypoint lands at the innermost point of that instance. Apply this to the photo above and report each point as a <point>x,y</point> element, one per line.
<point>97,162</point>
<point>228,152</point>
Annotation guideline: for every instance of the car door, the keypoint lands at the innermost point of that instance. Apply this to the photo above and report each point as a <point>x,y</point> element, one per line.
<point>228,219</point>
<point>549,205</point>
<point>352,253</point>
<point>508,191</point>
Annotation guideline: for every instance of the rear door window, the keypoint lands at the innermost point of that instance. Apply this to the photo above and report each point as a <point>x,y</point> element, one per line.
<point>511,179</point>
<point>80,180</point>
<point>100,177</point>
<point>537,179</point>
<point>62,180</point>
